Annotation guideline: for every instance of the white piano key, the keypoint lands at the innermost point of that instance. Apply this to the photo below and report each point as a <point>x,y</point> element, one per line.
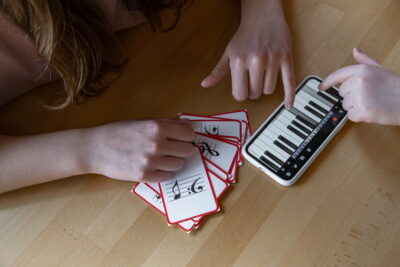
<point>307,113</point>
<point>268,144</point>
<point>309,97</point>
<point>275,136</point>
<point>279,153</point>
<point>280,129</point>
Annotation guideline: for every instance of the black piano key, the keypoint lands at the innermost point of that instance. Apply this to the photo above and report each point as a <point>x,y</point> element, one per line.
<point>269,163</point>
<point>327,98</point>
<point>318,107</point>
<point>295,131</point>
<point>334,93</point>
<point>316,113</point>
<point>301,127</point>
<point>286,141</point>
<point>306,122</point>
<point>275,158</point>
<point>283,147</point>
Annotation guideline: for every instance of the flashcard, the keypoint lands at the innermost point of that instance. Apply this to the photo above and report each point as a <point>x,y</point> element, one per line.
<point>222,154</point>
<point>198,117</point>
<point>232,176</point>
<point>218,127</point>
<point>217,170</point>
<point>219,186</point>
<point>189,193</point>
<point>153,198</point>
<point>237,115</point>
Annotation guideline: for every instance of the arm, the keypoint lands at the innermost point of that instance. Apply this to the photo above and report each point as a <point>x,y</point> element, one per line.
<point>146,151</point>
<point>259,50</point>
<point>37,159</point>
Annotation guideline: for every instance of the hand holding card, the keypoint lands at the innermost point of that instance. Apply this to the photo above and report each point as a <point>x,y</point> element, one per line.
<point>193,191</point>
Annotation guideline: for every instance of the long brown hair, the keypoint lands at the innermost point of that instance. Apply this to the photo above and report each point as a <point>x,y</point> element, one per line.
<point>76,40</point>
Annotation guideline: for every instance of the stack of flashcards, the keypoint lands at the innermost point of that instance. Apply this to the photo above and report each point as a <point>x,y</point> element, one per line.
<point>193,192</point>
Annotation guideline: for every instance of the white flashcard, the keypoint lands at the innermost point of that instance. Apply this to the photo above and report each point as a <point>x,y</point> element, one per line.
<point>232,177</point>
<point>189,193</point>
<point>153,198</point>
<point>237,115</point>
<point>220,117</point>
<point>218,127</point>
<point>219,186</point>
<point>215,169</point>
<point>222,154</point>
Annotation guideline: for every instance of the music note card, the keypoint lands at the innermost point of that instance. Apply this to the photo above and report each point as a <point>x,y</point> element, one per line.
<point>153,198</point>
<point>189,193</point>
<point>221,128</point>
<point>222,154</point>
<point>240,116</point>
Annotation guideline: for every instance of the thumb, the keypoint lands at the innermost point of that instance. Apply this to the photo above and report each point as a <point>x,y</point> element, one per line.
<point>363,58</point>
<point>219,72</point>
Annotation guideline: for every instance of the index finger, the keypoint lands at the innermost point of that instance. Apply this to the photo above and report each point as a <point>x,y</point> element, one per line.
<point>179,132</point>
<point>288,79</point>
<point>339,76</point>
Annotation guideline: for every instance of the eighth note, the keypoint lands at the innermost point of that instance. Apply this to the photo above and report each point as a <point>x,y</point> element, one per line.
<point>212,130</point>
<point>176,188</point>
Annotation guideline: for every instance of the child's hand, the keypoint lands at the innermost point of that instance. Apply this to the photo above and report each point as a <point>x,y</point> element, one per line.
<point>259,50</point>
<point>371,92</point>
<point>145,151</point>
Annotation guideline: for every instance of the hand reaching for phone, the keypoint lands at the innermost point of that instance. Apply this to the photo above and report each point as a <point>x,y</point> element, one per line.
<point>145,151</point>
<point>371,93</point>
<point>259,50</point>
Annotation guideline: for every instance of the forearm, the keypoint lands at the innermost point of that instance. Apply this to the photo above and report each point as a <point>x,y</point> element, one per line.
<point>253,11</point>
<point>37,159</point>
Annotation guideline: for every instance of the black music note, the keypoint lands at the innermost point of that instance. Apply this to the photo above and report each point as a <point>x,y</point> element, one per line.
<point>212,130</point>
<point>194,189</point>
<point>176,186</point>
<point>157,197</point>
<point>206,147</point>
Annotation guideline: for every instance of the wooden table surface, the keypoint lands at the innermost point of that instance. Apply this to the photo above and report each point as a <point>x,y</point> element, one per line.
<point>344,211</point>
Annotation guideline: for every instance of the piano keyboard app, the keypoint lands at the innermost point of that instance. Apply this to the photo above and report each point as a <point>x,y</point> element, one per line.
<point>289,140</point>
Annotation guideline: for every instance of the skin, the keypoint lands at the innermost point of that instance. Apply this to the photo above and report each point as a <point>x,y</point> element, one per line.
<point>150,151</point>
<point>146,151</point>
<point>257,53</point>
<point>371,93</point>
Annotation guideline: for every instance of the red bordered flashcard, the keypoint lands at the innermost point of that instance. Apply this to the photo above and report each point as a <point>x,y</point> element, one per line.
<point>153,198</point>
<point>241,115</point>
<point>189,193</point>
<point>220,152</point>
<point>208,117</point>
<point>215,126</point>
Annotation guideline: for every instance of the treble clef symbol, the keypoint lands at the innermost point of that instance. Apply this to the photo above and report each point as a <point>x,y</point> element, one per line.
<point>195,189</point>
<point>206,147</point>
<point>176,188</point>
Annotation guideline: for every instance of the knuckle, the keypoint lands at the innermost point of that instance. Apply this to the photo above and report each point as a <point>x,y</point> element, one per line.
<point>237,62</point>
<point>154,147</point>
<point>145,163</point>
<point>155,128</point>
<point>256,60</point>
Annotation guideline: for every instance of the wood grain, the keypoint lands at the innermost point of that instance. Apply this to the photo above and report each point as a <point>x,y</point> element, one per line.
<point>345,211</point>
